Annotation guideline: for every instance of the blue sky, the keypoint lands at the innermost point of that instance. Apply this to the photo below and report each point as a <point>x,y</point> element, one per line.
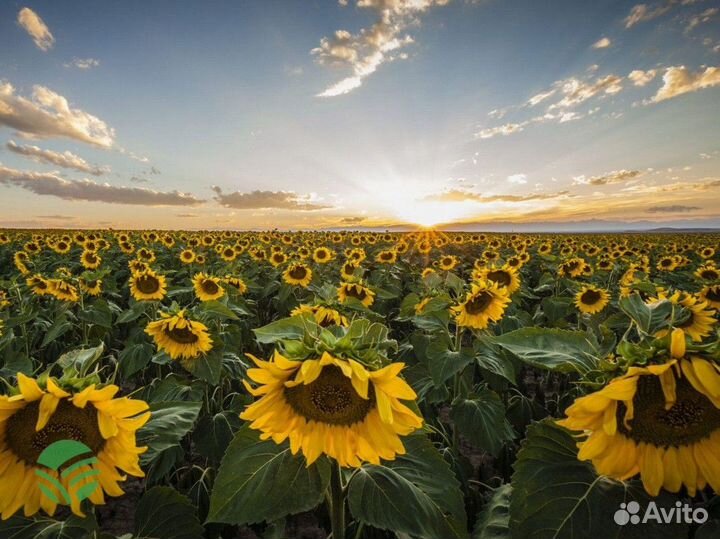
<point>258,114</point>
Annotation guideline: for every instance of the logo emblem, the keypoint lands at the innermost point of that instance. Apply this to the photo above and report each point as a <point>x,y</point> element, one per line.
<point>627,513</point>
<point>66,457</point>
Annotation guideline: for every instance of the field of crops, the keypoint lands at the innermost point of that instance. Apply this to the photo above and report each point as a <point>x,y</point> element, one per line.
<point>358,385</point>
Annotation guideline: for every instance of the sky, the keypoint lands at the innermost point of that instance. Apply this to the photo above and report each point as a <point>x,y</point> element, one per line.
<point>256,114</point>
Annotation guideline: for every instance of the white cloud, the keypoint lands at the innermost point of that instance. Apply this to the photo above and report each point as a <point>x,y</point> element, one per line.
<point>539,98</point>
<point>702,18</point>
<point>576,91</point>
<point>602,43</point>
<point>363,53</point>
<point>644,12</point>
<point>65,159</point>
<point>36,28</point>
<point>609,178</point>
<point>504,130</point>
<point>48,114</point>
<point>517,179</point>
<point>253,200</point>
<point>83,63</point>
<point>640,77</point>
<point>677,80</point>
<point>50,184</point>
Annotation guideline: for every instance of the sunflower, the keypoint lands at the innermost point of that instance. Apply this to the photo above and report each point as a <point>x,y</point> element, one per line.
<point>324,316</point>
<point>298,274</point>
<point>180,337</point>
<point>661,421</point>
<point>506,277</point>
<point>711,295</point>
<point>278,258</point>
<point>237,283</point>
<point>707,272</point>
<point>137,266</point>
<point>356,290</point>
<point>228,254</point>
<point>348,270</point>
<point>148,286</point>
<point>591,299</point>
<point>447,262</point>
<point>573,267</point>
<point>39,285</point>
<point>388,256</point>
<point>332,406</point>
<point>207,288</point>
<point>37,417</point>
<point>187,256</point>
<point>485,302</point>
<point>323,255</point>
<point>667,263</point>
<point>90,260</point>
<point>701,319</point>
<point>427,272</point>
<point>92,287</point>
<point>4,301</point>
<point>63,290</point>
<point>420,305</point>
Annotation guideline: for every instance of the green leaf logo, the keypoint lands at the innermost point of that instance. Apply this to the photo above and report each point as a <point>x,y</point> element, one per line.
<point>66,457</point>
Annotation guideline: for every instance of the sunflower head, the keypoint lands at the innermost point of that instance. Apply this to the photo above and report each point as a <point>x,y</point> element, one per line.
<point>207,288</point>
<point>179,337</point>
<point>591,299</point>
<point>148,286</point>
<point>298,275</point>
<point>330,405</point>
<point>356,291</point>
<point>484,303</point>
<point>42,412</point>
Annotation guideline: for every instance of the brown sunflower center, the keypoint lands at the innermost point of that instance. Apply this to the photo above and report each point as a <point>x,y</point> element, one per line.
<point>182,335</point>
<point>692,417</point>
<point>478,303</point>
<point>147,284</point>
<point>665,262</point>
<point>298,272</point>
<point>321,254</point>
<point>503,278</point>
<point>90,258</point>
<point>709,274</point>
<point>357,292</point>
<point>330,399</point>
<point>386,256</point>
<point>713,293</point>
<point>590,297</point>
<point>67,423</point>
<point>210,287</point>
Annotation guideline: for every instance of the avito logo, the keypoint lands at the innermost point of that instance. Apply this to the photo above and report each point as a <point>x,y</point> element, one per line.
<point>681,513</point>
<point>66,457</point>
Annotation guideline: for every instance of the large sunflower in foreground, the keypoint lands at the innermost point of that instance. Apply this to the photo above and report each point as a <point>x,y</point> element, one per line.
<point>660,421</point>
<point>180,337</point>
<point>486,302</point>
<point>333,406</point>
<point>37,417</point>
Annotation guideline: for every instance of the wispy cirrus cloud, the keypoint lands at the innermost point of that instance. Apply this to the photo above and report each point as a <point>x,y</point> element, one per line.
<point>256,200</point>
<point>66,159</point>
<point>602,43</point>
<point>364,52</point>
<point>83,63</point>
<point>609,178</point>
<point>48,114</point>
<point>50,184</point>
<point>464,195</point>
<point>36,28</point>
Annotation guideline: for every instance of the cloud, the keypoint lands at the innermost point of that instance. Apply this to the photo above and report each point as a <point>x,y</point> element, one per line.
<point>48,183</point>
<point>576,91</point>
<point>677,80</point>
<point>644,12</point>
<point>504,130</point>
<point>539,98</point>
<point>48,114</point>
<point>138,179</point>
<point>610,178</point>
<point>602,43</point>
<point>462,195</point>
<point>83,63</point>
<point>640,77</point>
<point>352,220</point>
<point>257,200</point>
<point>701,18</point>
<point>187,215</point>
<point>363,53</point>
<point>66,159</point>
<point>675,208</point>
<point>57,217</point>
<point>517,179</point>
<point>36,28</point>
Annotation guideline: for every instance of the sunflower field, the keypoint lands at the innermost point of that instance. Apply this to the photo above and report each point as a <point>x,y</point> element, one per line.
<point>358,385</point>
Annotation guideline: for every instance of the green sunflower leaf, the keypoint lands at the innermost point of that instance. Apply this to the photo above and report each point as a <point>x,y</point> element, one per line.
<point>262,481</point>
<point>416,494</point>
<point>164,513</point>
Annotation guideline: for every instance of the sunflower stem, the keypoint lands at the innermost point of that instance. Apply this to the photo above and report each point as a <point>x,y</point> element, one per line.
<point>337,508</point>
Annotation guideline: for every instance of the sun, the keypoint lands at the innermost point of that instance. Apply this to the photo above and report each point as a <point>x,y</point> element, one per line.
<point>428,214</point>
